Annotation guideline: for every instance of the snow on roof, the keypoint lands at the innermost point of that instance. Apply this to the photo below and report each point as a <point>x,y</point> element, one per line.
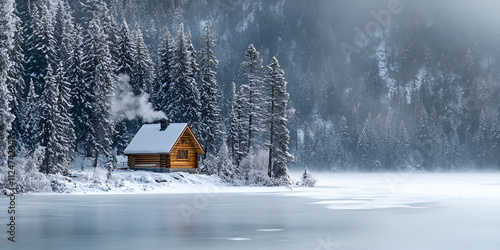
<point>150,140</point>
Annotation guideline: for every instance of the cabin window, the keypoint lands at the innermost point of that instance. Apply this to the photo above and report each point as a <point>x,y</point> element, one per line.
<point>182,154</point>
<point>183,140</point>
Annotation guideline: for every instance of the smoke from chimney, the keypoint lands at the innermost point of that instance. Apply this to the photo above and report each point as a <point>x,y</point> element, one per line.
<point>126,104</point>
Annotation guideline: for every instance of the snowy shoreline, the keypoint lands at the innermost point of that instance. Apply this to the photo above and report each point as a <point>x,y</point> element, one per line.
<point>145,182</point>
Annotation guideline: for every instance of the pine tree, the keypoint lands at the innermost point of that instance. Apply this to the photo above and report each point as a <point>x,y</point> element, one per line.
<point>344,142</point>
<point>403,143</point>
<point>232,137</point>
<point>307,179</point>
<point>99,69</point>
<point>57,125</point>
<point>192,60</point>
<point>422,135</point>
<point>6,118</point>
<point>280,137</point>
<point>143,66</point>
<point>328,97</point>
<point>100,75</point>
<point>320,146</point>
<point>164,72</point>
<point>236,137</point>
<point>31,128</point>
<point>364,149</point>
<point>125,63</point>
<point>211,135</point>
<point>482,141</point>
<point>15,82</point>
<point>495,140</point>
<point>64,33</point>
<point>65,125</point>
<point>307,144</point>
<point>50,116</point>
<point>30,44</point>
<point>41,52</point>
<point>183,99</point>
<point>255,100</point>
<point>81,91</point>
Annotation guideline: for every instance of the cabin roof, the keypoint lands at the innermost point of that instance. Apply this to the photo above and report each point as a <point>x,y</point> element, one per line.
<point>150,140</point>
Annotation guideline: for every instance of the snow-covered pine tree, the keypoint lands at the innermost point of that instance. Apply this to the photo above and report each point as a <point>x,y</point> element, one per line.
<point>307,179</point>
<point>97,9</point>
<point>15,80</point>
<point>226,169</point>
<point>378,140</point>
<point>232,137</point>
<point>65,125</point>
<point>163,72</point>
<point>343,143</point>
<point>192,61</point>
<point>30,42</point>
<point>403,147</point>
<point>50,117</point>
<point>64,33</point>
<point>279,137</point>
<point>81,91</point>
<point>364,149</point>
<point>345,138</point>
<point>41,52</point>
<point>31,128</point>
<point>100,75</point>
<point>328,96</point>
<point>422,138</point>
<point>495,140</point>
<point>307,145</point>
<point>193,74</point>
<point>366,145</point>
<point>482,141</point>
<point>143,66</point>
<point>242,125</point>
<point>6,118</point>
<point>125,63</point>
<point>211,132</point>
<point>236,137</point>
<point>254,97</point>
<point>182,97</point>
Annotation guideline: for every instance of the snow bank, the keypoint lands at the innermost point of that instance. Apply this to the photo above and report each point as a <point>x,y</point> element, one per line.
<point>90,181</point>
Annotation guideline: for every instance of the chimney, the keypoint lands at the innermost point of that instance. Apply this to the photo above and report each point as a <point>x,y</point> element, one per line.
<point>164,124</point>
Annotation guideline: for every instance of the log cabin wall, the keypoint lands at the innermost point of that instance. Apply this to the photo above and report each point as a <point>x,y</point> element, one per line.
<point>185,143</point>
<point>144,161</point>
<point>164,161</point>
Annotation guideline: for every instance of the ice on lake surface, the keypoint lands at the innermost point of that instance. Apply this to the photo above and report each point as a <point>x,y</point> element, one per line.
<point>344,211</point>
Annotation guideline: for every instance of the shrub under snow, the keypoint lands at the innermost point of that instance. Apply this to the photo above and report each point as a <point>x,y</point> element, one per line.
<point>28,175</point>
<point>307,179</point>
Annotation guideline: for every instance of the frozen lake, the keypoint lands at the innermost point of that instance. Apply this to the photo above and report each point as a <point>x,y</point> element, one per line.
<point>343,212</point>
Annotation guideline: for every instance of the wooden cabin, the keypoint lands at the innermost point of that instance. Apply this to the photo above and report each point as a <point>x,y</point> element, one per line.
<point>164,147</point>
